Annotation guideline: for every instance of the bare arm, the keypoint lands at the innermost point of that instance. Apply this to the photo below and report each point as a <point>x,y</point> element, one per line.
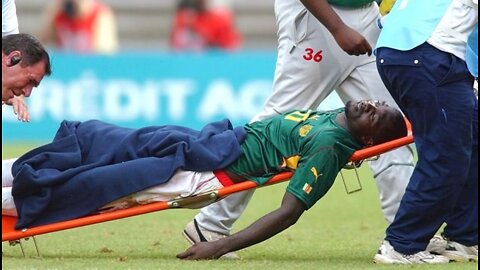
<point>261,230</point>
<point>348,39</point>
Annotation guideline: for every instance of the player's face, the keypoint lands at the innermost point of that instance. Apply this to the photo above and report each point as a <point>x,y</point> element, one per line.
<point>368,117</point>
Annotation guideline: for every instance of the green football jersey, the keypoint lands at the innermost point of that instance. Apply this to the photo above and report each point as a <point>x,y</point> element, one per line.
<point>309,143</point>
<point>350,3</point>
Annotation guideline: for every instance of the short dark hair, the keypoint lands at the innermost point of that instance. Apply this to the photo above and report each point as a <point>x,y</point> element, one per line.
<point>30,47</point>
<point>397,128</point>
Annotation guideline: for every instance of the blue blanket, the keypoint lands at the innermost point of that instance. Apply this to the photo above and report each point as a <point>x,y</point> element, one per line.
<point>92,163</point>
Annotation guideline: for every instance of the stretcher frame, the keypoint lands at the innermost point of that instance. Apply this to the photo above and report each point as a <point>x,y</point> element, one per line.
<point>9,233</point>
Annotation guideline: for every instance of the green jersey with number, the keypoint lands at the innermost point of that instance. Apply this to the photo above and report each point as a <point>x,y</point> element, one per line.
<point>350,3</point>
<point>309,143</point>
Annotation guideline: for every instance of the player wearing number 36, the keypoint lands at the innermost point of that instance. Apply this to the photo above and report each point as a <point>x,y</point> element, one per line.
<point>322,46</point>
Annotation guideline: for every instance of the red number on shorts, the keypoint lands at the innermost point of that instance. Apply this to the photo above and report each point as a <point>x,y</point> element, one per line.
<point>309,54</point>
<point>317,57</point>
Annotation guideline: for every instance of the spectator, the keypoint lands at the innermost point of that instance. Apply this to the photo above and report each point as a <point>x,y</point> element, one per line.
<point>198,26</point>
<point>84,26</point>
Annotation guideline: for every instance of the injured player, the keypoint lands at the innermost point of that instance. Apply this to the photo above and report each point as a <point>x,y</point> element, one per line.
<point>94,166</point>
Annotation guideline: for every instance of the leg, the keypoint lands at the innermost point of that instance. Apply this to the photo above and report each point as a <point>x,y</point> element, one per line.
<point>181,185</point>
<point>462,224</point>
<point>461,231</point>
<point>226,211</point>
<point>393,169</point>
<point>215,221</point>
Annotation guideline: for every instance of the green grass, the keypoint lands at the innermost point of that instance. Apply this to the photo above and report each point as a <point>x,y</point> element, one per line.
<point>340,232</point>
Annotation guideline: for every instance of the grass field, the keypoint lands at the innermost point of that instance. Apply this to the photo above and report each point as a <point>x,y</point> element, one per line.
<point>340,232</point>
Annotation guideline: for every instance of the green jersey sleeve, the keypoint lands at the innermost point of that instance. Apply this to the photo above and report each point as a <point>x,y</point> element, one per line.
<point>314,176</point>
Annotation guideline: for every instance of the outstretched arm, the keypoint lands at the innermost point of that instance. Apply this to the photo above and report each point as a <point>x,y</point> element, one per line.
<point>261,230</point>
<point>348,39</point>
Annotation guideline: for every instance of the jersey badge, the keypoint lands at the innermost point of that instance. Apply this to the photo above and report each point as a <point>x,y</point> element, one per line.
<point>304,130</point>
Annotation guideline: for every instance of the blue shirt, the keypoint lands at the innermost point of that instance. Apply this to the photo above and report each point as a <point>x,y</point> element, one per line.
<point>411,23</point>
<point>471,56</point>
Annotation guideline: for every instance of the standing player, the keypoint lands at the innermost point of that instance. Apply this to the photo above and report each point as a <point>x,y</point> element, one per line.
<point>321,46</point>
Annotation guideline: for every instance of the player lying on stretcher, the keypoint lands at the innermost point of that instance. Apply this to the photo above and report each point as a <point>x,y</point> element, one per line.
<point>94,166</point>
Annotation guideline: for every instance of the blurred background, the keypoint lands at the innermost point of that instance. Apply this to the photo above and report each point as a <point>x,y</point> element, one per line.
<point>146,24</point>
<point>147,62</point>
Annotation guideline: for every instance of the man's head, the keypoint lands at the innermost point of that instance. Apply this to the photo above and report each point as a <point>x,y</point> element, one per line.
<point>77,8</point>
<point>374,122</point>
<point>24,64</point>
<point>194,5</point>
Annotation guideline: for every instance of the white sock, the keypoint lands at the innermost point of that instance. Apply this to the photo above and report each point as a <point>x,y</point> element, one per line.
<point>8,205</point>
<point>7,177</point>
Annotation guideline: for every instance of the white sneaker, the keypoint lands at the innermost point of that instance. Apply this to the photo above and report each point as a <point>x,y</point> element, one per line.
<point>437,245</point>
<point>387,255</point>
<point>460,253</point>
<point>453,250</point>
<point>194,234</point>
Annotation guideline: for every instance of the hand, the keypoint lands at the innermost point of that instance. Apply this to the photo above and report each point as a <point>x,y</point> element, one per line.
<point>352,42</point>
<point>20,108</point>
<point>202,251</point>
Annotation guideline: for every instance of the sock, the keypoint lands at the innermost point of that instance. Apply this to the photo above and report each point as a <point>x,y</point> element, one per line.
<point>7,177</point>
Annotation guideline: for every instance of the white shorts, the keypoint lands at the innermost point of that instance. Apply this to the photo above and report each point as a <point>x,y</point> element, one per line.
<point>8,206</point>
<point>182,184</point>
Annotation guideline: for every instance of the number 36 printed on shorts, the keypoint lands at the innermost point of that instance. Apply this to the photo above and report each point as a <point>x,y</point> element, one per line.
<point>312,55</point>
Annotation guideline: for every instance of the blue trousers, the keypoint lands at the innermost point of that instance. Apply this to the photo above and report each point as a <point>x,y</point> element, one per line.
<point>435,91</point>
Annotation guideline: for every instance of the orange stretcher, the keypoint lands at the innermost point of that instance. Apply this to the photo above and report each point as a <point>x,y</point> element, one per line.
<point>8,222</point>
